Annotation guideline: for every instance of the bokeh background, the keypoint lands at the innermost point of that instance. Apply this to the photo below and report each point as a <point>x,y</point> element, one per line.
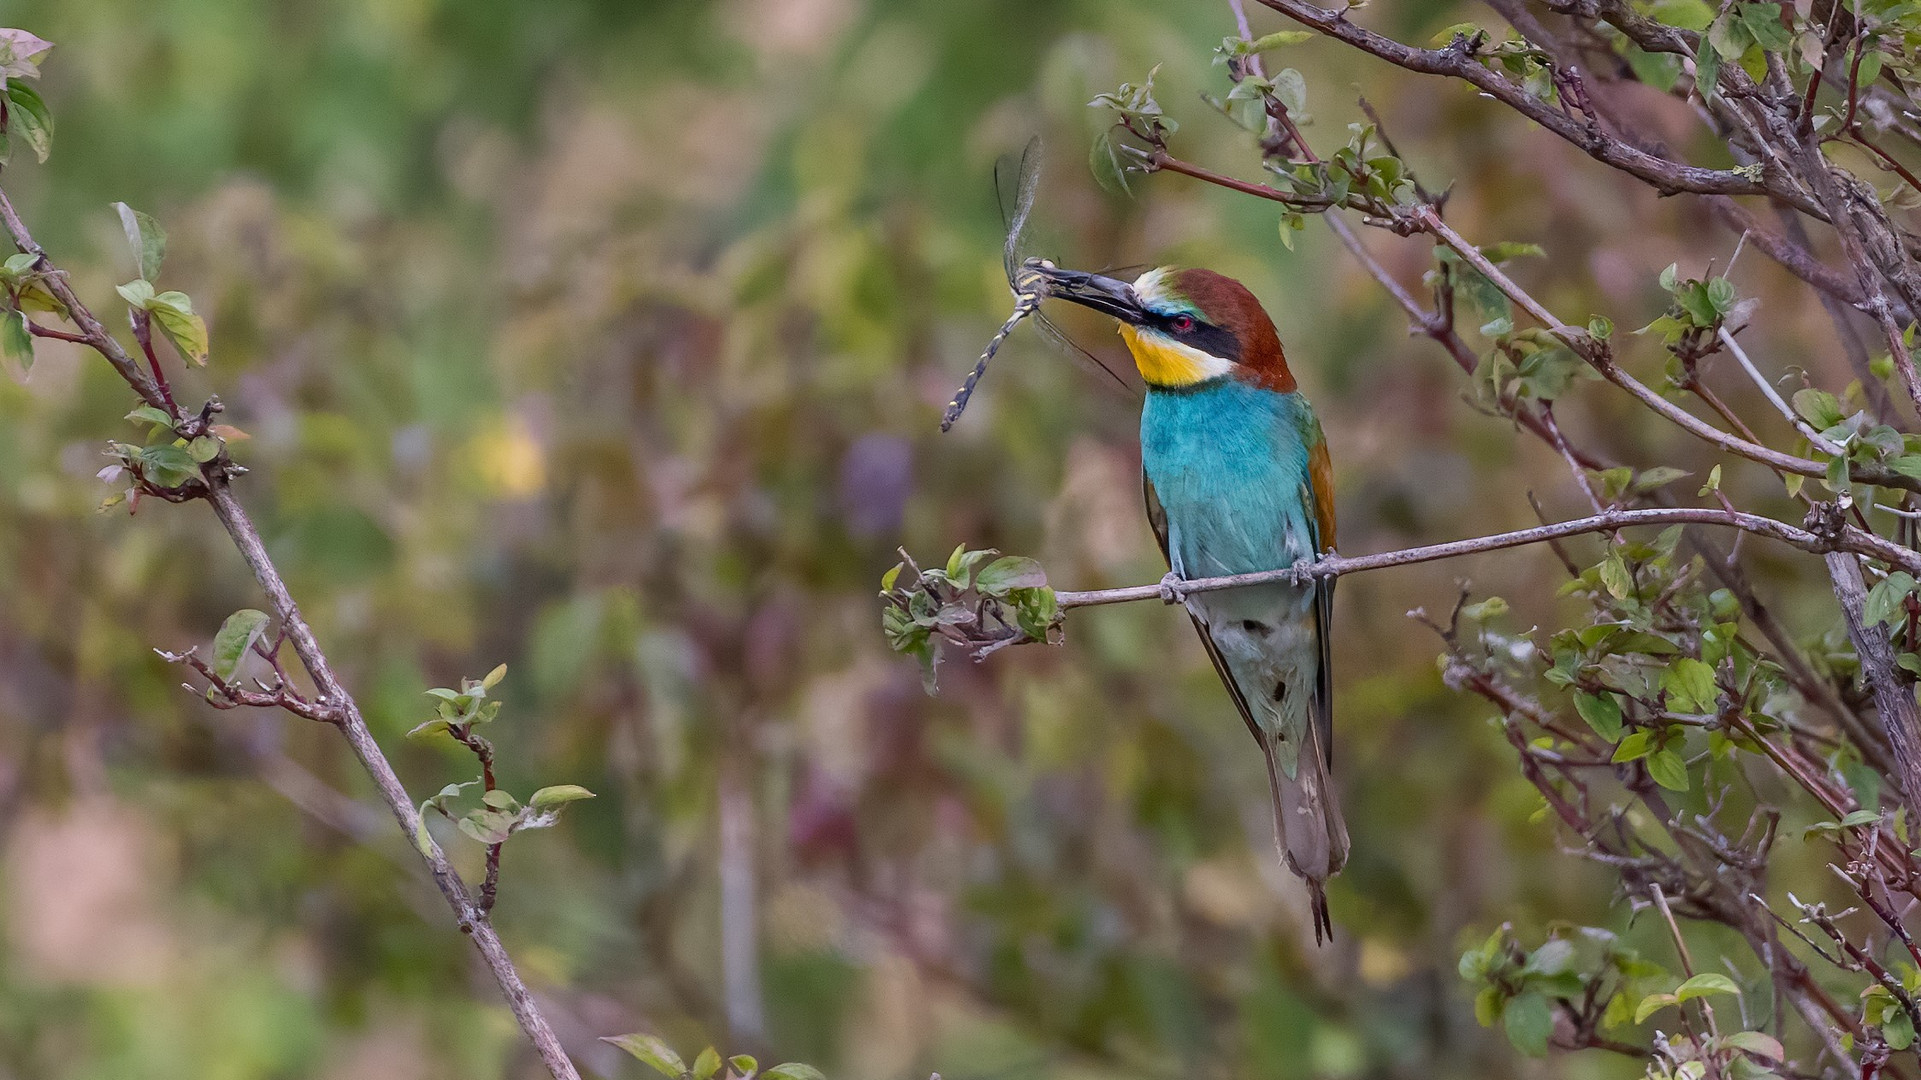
<point>607,340</point>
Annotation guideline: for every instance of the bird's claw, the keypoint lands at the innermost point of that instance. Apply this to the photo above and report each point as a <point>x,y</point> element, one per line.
<point>1171,588</point>
<point>1301,574</point>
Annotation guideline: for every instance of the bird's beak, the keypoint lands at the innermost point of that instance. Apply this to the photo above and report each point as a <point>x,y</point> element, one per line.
<point>1107,295</point>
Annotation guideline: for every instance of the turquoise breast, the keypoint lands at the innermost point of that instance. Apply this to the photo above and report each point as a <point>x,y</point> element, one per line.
<point>1229,462</point>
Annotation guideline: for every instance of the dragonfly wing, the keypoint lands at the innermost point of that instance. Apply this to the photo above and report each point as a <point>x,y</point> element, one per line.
<point>1025,182</point>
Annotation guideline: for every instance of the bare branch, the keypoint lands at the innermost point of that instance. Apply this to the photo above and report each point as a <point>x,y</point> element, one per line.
<point>1847,539</point>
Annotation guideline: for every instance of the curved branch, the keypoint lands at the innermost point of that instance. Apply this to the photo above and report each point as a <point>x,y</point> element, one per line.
<point>1455,61</point>
<point>331,694</point>
<point>1847,539</point>
<point>1601,358</point>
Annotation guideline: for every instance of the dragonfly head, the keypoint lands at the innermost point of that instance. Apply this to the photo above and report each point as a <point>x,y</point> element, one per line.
<point>1183,326</point>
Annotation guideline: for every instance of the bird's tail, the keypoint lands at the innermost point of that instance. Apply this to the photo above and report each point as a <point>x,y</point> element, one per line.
<point>1308,829</point>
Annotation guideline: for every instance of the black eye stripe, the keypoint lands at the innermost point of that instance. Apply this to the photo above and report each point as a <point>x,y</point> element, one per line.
<point>1204,336</point>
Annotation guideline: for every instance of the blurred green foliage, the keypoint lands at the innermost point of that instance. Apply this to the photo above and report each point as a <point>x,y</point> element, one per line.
<point>608,340</point>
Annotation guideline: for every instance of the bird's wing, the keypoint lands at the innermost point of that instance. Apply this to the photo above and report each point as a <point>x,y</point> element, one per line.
<point>1320,496</point>
<point>1157,519</point>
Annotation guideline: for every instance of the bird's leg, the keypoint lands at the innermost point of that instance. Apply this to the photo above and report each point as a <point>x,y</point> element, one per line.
<point>1171,592</point>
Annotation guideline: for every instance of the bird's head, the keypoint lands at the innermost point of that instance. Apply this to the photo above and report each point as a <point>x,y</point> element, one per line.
<point>1184,326</point>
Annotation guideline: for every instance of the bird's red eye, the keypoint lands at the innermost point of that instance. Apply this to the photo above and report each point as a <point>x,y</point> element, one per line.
<point>1182,323</point>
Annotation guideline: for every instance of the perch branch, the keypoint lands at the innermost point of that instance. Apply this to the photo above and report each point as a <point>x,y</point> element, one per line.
<point>1847,539</point>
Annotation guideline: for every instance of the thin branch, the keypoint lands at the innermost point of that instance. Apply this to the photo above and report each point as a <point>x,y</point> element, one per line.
<point>1774,397</point>
<point>484,752</point>
<point>1846,539</point>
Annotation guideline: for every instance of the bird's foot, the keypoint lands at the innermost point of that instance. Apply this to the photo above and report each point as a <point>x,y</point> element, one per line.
<point>1171,588</point>
<point>1302,573</point>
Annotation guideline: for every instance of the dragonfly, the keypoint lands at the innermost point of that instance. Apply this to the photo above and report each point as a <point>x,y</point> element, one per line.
<point>1029,277</point>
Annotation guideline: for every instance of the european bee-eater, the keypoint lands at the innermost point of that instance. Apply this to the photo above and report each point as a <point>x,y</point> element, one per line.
<point>1238,481</point>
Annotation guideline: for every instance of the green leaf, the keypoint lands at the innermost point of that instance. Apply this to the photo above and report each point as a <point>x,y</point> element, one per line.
<point>138,293</point>
<point>1601,712</point>
<point>1036,611</point>
<point>148,414</point>
<point>1764,27</point>
<point>1658,477</point>
<point>1290,89</point>
<point>16,341</point>
<point>435,726</point>
<point>1714,483</point>
<point>1865,75</point>
<point>173,313</point>
<point>30,119</point>
<point>237,635</point>
<point>1898,1030</point>
<point>1690,685</point>
<point>1720,293</point>
<point>707,1064</point>
<point>1552,958</point>
<point>1529,1021</point>
<point>558,795</point>
<point>887,580</point>
<point>168,466</point>
<point>1638,744</point>
<point>744,1066</point>
<point>448,794</point>
<point>1819,408</point>
<point>1600,328</point>
<point>1447,35</point>
<point>1508,250</point>
<point>499,799</point>
<point>493,677</point>
<point>1619,1010</point>
<point>793,1070</point>
<point>1492,608</point>
<point>1907,465</point>
<point>1487,1005</point>
<point>1274,40</point>
<point>1010,572</point>
<point>1836,479</point>
<point>1668,769</point>
<point>650,1049</point>
<point>488,826</point>
<point>1886,600</point>
<point>1650,1005</point>
<point>1707,66</point>
<point>1615,577</point>
<point>204,448</point>
<point>1708,982</point>
<point>145,238</point>
<point>1757,1043</point>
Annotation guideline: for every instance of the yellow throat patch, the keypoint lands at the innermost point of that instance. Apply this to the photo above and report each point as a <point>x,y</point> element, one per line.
<point>1165,362</point>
